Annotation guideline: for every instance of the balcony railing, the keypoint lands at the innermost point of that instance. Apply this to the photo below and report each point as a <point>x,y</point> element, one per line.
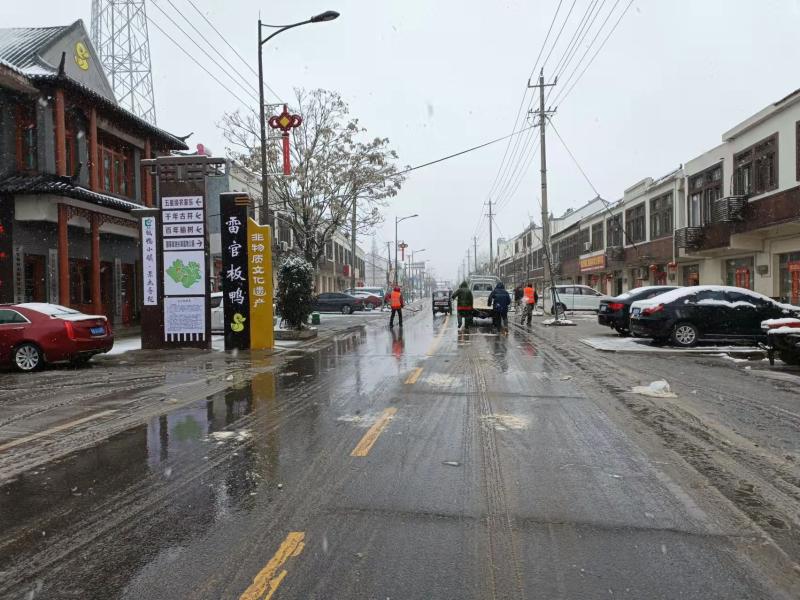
<point>689,238</point>
<point>728,210</point>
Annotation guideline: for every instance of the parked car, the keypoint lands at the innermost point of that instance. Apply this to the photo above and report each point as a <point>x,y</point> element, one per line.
<point>706,313</point>
<point>783,339</point>
<point>35,333</point>
<point>217,313</point>
<point>337,302</point>
<point>573,297</point>
<point>615,312</point>
<point>368,292</point>
<point>371,301</point>
<point>441,301</point>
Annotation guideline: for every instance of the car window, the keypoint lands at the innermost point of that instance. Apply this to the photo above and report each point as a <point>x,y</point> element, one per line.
<point>713,295</point>
<point>569,291</point>
<point>11,316</point>
<point>216,301</point>
<point>482,287</point>
<point>745,299</point>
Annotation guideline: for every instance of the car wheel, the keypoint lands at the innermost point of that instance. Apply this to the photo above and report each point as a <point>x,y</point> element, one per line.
<point>685,335</point>
<point>790,358</point>
<point>346,310</point>
<point>28,357</point>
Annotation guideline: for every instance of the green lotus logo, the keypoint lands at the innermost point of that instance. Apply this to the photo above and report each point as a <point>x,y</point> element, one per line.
<point>185,275</point>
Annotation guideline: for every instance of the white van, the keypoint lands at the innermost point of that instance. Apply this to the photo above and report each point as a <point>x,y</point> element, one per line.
<point>574,297</point>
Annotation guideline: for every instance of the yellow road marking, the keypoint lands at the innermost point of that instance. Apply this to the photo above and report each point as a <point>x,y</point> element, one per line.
<point>413,376</point>
<point>266,581</point>
<point>56,429</point>
<point>438,339</point>
<point>365,445</point>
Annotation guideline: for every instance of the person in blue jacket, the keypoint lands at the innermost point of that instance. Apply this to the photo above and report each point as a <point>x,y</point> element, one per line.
<point>500,300</point>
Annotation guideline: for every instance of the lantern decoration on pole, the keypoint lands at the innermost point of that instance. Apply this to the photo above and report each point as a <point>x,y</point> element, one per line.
<point>285,122</point>
<point>653,268</point>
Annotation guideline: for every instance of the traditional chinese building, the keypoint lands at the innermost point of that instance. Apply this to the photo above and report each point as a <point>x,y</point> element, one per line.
<point>70,174</point>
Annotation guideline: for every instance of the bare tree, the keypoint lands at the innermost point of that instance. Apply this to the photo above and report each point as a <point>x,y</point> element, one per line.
<point>333,165</point>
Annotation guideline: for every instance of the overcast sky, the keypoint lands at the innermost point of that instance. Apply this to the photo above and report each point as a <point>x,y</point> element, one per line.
<point>437,77</point>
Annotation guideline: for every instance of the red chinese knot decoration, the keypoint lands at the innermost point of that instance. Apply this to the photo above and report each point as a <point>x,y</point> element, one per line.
<point>285,122</point>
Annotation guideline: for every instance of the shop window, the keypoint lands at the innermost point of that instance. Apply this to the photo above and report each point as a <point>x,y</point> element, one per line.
<point>661,216</point>
<point>26,138</point>
<point>739,272</point>
<point>704,188</point>
<point>789,273</point>
<point>635,224</point>
<point>757,168</point>
<point>691,275</point>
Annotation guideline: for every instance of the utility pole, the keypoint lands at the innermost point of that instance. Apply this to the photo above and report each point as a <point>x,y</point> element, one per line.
<point>491,240</point>
<point>543,114</point>
<point>353,247</point>
<point>388,263</point>
<point>475,242</point>
<point>469,263</point>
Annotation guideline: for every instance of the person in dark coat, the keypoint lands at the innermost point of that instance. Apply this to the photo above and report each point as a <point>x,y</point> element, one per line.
<point>463,298</point>
<point>500,300</point>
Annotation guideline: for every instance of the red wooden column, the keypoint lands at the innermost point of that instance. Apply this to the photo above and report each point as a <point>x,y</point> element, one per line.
<point>97,304</point>
<point>94,156</point>
<point>147,180</point>
<point>63,255</point>
<point>61,134</point>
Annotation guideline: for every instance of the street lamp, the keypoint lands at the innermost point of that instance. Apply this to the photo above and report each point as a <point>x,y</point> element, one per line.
<point>396,221</point>
<point>413,252</point>
<point>328,15</point>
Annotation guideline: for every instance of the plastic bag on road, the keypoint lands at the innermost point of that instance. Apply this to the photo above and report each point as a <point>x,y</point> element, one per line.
<point>656,389</point>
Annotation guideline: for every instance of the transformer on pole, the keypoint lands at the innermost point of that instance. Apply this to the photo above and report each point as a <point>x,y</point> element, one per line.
<point>119,35</point>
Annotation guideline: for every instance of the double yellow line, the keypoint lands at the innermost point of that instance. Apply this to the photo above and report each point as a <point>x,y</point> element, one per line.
<point>267,581</point>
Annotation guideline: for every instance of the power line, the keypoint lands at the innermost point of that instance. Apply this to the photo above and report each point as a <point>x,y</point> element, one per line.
<point>194,60</point>
<point>553,47</point>
<point>202,50</point>
<point>562,98</point>
<point>205,39</point>
<point>236,52</point>
<point>572,156</point>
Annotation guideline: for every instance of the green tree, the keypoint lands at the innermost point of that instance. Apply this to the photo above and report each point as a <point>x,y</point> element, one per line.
<point>295,291</point>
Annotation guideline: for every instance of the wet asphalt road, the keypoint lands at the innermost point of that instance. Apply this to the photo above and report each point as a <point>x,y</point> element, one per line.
<point>427,464</point>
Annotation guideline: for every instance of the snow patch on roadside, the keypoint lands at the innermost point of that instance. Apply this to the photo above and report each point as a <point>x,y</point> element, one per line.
<point>656,389</point>
<point>226,436</point>
<point>505,422</point>
<point>441,380</point>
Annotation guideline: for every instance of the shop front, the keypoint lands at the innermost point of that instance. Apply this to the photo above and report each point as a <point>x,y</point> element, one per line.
<point>690,274</point>
<point>592,269</point>
<point>789,276</point>
<point>739,272</point>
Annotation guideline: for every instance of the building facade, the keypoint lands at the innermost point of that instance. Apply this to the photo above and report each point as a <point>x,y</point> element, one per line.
<point>70,174</point>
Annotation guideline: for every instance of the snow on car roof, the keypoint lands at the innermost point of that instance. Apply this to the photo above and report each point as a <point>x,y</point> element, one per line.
<point>630,293</point>
<point>682,292</point>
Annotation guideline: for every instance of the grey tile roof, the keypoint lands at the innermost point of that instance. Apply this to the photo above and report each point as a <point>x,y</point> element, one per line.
<point>61,186</point>
<point>19,47</point>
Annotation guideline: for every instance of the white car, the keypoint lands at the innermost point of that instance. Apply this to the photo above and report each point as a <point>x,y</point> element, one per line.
<point>575,297</point>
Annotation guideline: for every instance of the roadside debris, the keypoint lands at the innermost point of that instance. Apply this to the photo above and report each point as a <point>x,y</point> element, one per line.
<point>656,389</point>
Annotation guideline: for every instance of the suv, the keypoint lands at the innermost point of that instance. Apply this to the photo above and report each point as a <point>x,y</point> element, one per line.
<point>442,301</point>
<point>575,297</point>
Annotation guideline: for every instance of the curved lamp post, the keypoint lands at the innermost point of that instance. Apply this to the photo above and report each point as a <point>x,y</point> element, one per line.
<point>328,15</point>
<point>396,221</point>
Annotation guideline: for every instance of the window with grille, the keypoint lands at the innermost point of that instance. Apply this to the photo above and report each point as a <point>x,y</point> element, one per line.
<point>635,224</point>
<point>757,168</point>
<point>661,216</point>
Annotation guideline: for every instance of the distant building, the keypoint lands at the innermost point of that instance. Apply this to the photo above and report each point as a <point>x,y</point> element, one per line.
<point>70,174</point>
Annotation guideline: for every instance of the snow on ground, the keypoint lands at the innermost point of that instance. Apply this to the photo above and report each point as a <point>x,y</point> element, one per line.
<point>640,345</point>
<point>123,345</point>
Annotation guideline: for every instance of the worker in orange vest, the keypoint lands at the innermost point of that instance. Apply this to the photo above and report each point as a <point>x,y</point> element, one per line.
<point>530,297</point>
<point>397,303</point>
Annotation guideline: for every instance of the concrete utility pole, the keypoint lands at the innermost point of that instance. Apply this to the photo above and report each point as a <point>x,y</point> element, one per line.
<point>353,247</point>
<point>543,114</point>
<point>388,263</point>
<point>491,240</point>
<point>475,242</point>
<point>469,263</point>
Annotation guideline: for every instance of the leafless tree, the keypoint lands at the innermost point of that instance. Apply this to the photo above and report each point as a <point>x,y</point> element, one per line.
<point>334,164</point>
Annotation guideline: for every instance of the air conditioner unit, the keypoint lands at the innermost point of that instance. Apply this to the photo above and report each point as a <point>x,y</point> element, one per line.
<point>587,246</point>
<point>284,246</point>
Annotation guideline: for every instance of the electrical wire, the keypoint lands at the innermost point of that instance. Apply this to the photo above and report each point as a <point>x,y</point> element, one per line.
<point>555,42</point>
<point>195,61</point>
<point>224,39</point>
<point>572,156</point>
<point>199,47</point>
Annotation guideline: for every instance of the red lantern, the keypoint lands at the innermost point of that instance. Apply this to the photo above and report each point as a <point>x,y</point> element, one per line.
<point>653,268</point>
<point>285,122</point>
<point>672,266</point>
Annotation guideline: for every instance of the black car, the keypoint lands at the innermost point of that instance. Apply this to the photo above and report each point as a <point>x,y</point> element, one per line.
<point>711,313</point>
<point>783,339</point>
<point>337,302</point>
<point>441,301</point>
<point>615,312</point>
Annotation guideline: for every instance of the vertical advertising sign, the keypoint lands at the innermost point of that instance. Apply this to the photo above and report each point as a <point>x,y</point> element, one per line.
<point>235,269</point>
<point>184,268</point>
<point>149,263</point>
<point>259,237</point>
<point>6,251</point>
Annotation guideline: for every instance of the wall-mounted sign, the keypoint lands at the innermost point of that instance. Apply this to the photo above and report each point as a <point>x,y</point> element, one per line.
<point>184,319</point>
<point>149,263</point>
<point>183,216</point>
<point>196,243</point>
<point>183,229</point>
<point>593,263</point>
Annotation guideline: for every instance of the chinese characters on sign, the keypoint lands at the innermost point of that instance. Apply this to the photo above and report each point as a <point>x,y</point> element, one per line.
<point>149,263</point>
<point>235,275</point>
<point>260,273</point>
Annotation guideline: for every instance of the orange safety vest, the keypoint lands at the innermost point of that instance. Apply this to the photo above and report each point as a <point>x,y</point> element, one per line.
<point>528,295</point>
<point>395,301</point>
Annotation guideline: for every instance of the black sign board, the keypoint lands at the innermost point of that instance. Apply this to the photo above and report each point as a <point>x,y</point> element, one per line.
<point>233,221</point>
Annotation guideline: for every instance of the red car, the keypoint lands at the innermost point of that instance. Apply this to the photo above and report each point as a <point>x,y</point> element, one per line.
<point>34,333</point>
